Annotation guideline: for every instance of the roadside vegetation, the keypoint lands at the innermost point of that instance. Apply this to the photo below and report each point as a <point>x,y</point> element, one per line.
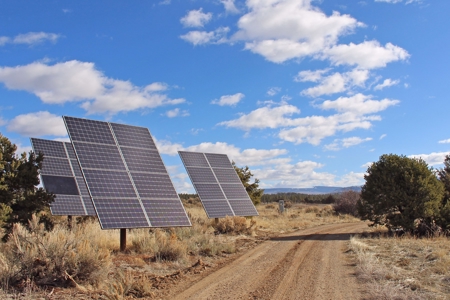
<point>85,262</point>
<point>402,268</point>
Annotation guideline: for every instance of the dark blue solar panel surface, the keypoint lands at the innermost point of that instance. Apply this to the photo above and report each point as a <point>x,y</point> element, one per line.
<point>217,184</point>
<point>126,177</point>
<point>62,176</point>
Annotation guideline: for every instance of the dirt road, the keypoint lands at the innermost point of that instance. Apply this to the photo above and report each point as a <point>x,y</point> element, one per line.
<point>307,264</point>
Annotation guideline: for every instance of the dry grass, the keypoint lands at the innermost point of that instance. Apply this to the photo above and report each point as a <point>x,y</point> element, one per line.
<point>299,216</point>
<point>88,258</point>
<point>403,267</point>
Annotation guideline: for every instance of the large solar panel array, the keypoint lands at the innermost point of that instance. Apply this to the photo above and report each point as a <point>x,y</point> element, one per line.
<point>62,176</point>
<point>217,184</point>
<point>126,177</point>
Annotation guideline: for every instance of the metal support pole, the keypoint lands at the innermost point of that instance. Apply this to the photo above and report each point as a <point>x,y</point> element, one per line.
<point>69,222</point>
<point>123,239</point>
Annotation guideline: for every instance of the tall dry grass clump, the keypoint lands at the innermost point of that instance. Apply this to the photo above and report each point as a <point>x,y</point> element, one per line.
<point>164,245</point>
<point>403,267</point>
<point>234,225</point>
<point>175,244</point>
<point>57,258</point>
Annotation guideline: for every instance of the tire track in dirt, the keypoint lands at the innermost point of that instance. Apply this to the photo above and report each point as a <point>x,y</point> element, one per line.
<point>307,264</point>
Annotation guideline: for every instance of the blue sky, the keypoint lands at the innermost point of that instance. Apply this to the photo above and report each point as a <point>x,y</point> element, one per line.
<point>304,92</point>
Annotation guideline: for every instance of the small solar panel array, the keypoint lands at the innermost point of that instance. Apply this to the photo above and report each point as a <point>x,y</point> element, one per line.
<point>127,180</point>
<point>62,176</point>
<point>217,184</point>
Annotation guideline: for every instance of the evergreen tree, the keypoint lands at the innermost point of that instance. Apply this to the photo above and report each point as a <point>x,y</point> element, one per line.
<point>444,177</point>
<point>19,176</point>
<point>401,193</point>
<point>252,188</point>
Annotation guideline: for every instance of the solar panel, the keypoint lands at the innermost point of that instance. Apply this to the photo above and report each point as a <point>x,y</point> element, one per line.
<point>62,176</point>
<point>126,177</point>
<point>217,184</point>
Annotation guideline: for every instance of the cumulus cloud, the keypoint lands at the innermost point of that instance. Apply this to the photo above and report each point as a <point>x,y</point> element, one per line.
<point>399,1</point>
<point>447,141</point>
<point>303,174</point>
<point>271,166</point>
<point>196,37</point>
<point>264,117</point>
<point>282,30</point>
<point>176,113</point>
<point>334,83</point>
<point>358,104</point>
<point>315,128</point>
<point>432,159</point>
<point>81,82</point>
<point>386,83</point>
<point>229,100</point>
<point>367,55</point>
<point>273,91</point>
<point>196,18</point>
<point>354,112</point>
<point>38,124</point>
<point>30,38</point>
<point>338,144</point>
<point>230,7</point>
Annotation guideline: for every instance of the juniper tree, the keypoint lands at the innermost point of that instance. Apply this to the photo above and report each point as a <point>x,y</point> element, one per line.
<point>252,189</point>
<point>19,176</point>
<point>401,193</point>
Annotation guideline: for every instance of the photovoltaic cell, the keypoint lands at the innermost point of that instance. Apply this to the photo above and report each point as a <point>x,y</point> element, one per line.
<point>217,184</point>
<point>125,175</point>
<point>62,176</point>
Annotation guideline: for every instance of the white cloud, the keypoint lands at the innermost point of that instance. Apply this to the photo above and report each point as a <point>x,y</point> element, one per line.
<point>386,83</point>
<point>303,174</point>
<point>273,91</point>
<point>38,124</point>
<point>447,141</point>
<point>30,38</point>
<point>389,1</point>
<point>176,113</point>
<point>354,112</point>
<point>196,18</point>
<point>4,40</point>
<point>33,38</point>
<point>338,144</point>
<point>309,75</point>
<point>80,81</point>
<point>399,1</point>
<point>264,117</point>
<point>383,136</point>
<point>359,104</point>
<point>206,37</point>
<point>229,6</point>
<point>335,83</point>
<point>21,149</point>
<point>315,128</point>
<point>367,55</point>
<point>281,30</point>
<point>229,100</point>
<point>166,147</point>
<point>434,158</point>
<point>249,157</point>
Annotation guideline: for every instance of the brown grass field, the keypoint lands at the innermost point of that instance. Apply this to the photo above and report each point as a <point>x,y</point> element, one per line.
<point>85,263</point>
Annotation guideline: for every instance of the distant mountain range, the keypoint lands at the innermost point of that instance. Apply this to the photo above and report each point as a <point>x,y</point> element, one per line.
<point>317,190</point>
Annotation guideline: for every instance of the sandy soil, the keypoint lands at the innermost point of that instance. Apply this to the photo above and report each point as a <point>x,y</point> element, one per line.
<point>307,264</point>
